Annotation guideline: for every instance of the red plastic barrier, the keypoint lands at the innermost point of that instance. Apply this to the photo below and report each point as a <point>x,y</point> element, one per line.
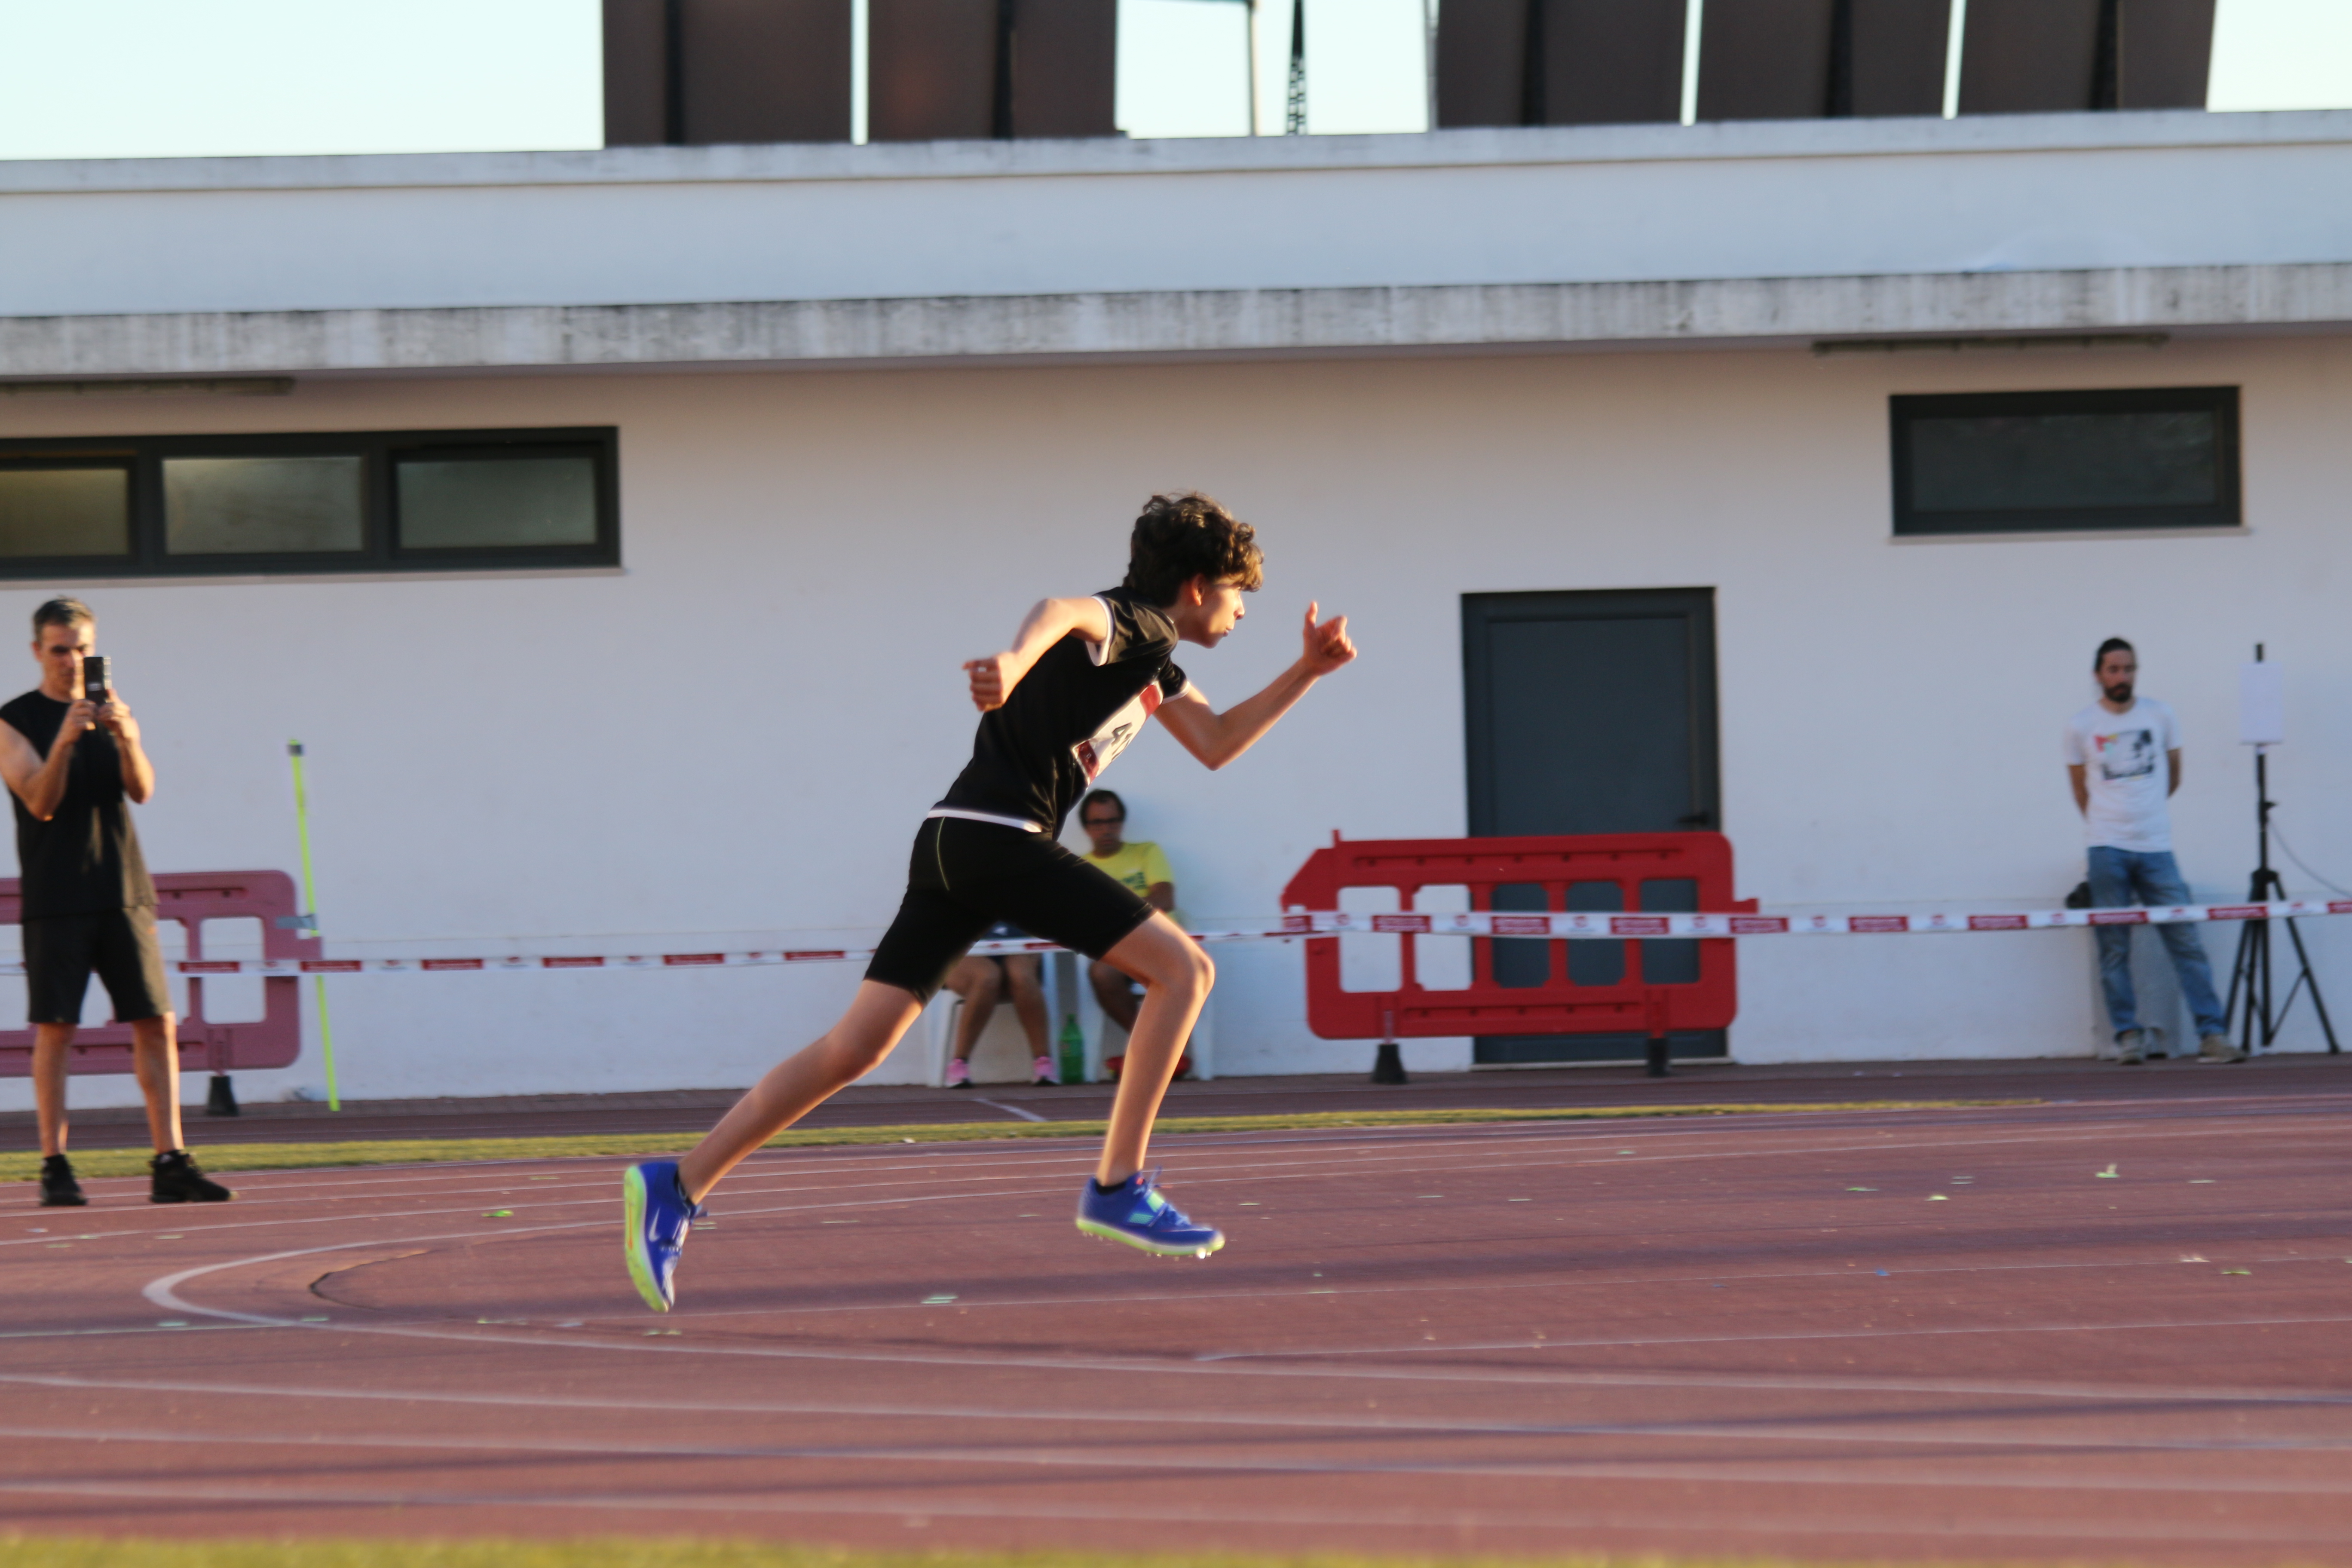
<point>1557,1007</point>
<point>192,897</point>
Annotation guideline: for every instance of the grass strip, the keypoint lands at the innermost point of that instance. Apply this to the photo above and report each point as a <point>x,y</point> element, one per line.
<point>55,1552</point>
<point>26,1167</point>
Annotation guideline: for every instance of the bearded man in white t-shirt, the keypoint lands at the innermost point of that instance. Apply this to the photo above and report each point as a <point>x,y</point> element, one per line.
<point>2123,753</point>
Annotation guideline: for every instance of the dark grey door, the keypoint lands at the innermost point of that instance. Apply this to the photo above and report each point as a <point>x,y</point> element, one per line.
<point>1592,712</point>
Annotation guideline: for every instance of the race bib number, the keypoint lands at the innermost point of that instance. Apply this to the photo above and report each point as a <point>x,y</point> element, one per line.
<point>1099,750</point>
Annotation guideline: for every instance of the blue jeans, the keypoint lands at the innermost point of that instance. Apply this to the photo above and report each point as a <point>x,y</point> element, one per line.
<point>2120,877</point>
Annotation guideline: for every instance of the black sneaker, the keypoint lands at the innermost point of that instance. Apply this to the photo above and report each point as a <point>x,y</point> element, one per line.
<point>178,1181</point>
<point>59,1188</point>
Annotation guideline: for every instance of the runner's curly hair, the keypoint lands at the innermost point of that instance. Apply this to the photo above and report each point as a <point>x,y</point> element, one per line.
<point>1183,536</point>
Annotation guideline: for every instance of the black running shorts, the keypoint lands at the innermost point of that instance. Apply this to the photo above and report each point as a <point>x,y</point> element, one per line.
<point>966,875</point>
<point>61,951</point>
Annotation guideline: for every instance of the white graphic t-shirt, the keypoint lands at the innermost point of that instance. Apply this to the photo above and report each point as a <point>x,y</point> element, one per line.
<point>2122,756</point>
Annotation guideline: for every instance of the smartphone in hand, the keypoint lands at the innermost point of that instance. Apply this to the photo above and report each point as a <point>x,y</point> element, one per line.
<point>97,685</point>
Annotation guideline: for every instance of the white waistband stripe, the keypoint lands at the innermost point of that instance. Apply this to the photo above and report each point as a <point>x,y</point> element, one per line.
<point>1022,822</point>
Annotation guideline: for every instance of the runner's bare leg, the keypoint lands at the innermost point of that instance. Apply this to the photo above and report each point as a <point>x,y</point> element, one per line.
<point>50,1044</point>
<point>1176,975</point>
<point>877,1017</point>
<point>156,1062</point>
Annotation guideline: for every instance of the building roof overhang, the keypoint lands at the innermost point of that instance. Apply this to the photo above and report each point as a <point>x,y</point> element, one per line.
<point>2006,309</point>
<point>1091,251</point>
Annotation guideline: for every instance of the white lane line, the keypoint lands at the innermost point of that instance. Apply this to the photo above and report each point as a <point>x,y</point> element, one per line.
<point>933,1505</point>
<point>1226,1172</point>
<point>1010,1109</point>
<point>1839,1335</point>
<point>1471,1286</point>
<point>1284,1170</point>
<point>1130,1415</point>
<point>1095,1457</point>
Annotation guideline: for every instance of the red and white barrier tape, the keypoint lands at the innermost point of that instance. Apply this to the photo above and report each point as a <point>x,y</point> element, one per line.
<point>1603,926</point>
<point>1575,927</point>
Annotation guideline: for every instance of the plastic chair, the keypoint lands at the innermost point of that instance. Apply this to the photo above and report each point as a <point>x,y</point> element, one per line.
<point>1099,1031</point>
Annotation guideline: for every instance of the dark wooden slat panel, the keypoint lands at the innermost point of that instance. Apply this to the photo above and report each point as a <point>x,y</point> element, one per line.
<point>1612,62</point>
<point>1764,59</point>
<point>1065,68</point>
<point>1898,56</point>
<point>2029,57</point>
<point>636,74</point>
<point>766,71</point>
<point>1482,62</point>
<point>2164,52</point>
<point>931,69</point>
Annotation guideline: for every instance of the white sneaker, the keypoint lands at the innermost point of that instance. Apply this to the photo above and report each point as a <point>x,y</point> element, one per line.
<point>2218,1049</point>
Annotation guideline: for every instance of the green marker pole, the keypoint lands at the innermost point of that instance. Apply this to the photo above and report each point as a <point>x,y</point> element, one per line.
<point>310,898</point>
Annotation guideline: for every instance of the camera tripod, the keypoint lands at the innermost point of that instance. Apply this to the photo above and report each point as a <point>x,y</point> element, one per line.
<point>2251,967</point>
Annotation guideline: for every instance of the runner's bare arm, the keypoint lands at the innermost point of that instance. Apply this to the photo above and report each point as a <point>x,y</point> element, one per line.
<point>41,785</point>
<point>994,678</point>
<point>1217,738</point>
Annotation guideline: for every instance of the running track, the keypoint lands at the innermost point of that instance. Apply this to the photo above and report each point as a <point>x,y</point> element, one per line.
<point>1678,1336</point>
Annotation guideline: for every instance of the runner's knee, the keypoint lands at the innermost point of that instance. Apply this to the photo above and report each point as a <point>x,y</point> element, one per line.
<point>854,1054</point>
<point>1190,974</point>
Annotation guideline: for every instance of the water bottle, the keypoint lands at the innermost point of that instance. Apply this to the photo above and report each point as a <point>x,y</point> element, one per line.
<point>1074,1050</point>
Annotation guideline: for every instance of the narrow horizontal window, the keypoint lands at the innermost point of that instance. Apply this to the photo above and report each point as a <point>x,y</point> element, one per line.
<point>60,512</point>
<point>161,506</point>
<point>2066,461</point>
<point>487,502</point>
<point>262,506</point>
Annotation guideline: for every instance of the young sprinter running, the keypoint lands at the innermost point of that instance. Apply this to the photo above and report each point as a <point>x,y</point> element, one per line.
<point>1077,684</point>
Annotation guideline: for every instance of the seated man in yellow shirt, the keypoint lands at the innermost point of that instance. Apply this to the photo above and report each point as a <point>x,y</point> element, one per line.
<point>1139,866</point>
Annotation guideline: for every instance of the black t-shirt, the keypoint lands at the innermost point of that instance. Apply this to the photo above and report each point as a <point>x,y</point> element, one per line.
<point>1075,710</point>
<point>85,859</point>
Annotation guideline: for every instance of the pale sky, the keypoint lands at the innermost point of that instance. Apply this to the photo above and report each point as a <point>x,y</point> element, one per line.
<point>125,78</point>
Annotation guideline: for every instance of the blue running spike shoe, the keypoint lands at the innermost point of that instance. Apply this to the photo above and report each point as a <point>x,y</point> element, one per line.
<point>1136,1213</point>
<point>658,1217</point>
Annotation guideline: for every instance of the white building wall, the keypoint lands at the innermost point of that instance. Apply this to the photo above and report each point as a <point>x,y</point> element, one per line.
<point>736,732</point>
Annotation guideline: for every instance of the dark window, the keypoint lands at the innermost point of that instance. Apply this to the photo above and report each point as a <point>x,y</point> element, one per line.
<point>57,507</point>
<point>2026,462</point>
<point>388,502</point>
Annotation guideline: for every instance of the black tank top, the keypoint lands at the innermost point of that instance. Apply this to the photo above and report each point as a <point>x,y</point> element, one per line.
<point>85,859</point>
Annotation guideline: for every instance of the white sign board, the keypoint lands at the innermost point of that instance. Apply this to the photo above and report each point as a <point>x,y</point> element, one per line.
<point>2261,704</point>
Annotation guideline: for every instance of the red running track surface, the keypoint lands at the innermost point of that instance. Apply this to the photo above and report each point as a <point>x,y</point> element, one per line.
<point>1683,1336</point>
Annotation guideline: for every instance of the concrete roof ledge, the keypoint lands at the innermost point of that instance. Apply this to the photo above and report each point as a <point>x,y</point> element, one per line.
<point>2135,131</point>
<point>1234,323</point>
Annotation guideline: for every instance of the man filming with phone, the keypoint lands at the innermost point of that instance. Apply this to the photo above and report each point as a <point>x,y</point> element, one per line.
<point>71,755</point>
